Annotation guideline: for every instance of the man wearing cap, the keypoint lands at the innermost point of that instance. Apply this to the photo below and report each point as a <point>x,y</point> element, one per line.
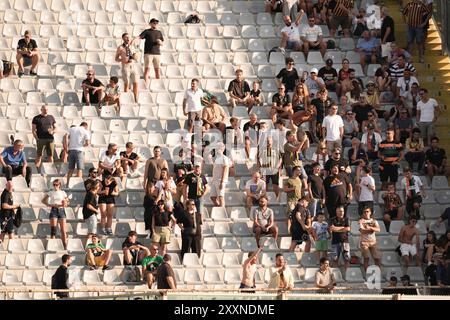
<point>153,41</point>
<point>329,75</point>
<point>370,141</point>
<point>290,36</point>
<point>312,38</point>
<point>314,83</point>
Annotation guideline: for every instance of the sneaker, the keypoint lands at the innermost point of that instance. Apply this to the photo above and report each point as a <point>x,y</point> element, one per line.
<point>33,73</point>
<point>93,267</point>
<point>109,231</point>
<point>20,74</point>
<point>283,51</point>
<point>106,267</point>
<point>104,231</point>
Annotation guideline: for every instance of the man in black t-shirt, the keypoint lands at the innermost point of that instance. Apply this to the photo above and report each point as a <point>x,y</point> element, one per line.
<point>238,89</point>
<point>129,159</point>
<point>340,228</point>
<point>315,190</point>
<point>288,75</point>
<point>7,212</point>
<point>322,104</point>
<point>90,207</point>
<point>281,104</point>
<point>133,251</point>
<point>337,159</point>
<point>60,279</point>
<point>387,33</point>
<point>195,186</point>
<point>43,128</point>
<point>165,275</point>
<point>436,160</point>
<point>27,54</point>
<point>329,75</point>
<point>152,53</point>
<point>338,191</point>
<point>92,89</point>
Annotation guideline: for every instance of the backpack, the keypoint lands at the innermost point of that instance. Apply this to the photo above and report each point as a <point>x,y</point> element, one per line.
<point>17,220</point>
<point>192,18</point>
<point>133,274</point>
<point>7,67</point>
<point>274,49</point>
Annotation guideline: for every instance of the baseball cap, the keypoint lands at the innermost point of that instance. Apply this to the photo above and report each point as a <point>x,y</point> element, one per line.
<point>329,62</point>
<point>314,70</point>
<point>154,20</point>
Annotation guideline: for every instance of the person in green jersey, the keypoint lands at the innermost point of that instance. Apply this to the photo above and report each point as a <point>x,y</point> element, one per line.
<point>150,266</point>
<point>97,255</point>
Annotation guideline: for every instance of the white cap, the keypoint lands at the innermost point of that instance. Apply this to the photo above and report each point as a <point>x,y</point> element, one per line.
<point>314,70</point>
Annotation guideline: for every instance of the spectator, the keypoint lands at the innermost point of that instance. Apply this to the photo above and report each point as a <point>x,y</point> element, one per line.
<point>344,84</point>
<point>7,212</point>
<point>329,75</point>
<point>109,163</point>
<point>93,172</point>
<point>97,255</point>
<point>288,75</point>
<point>351,128</point>
<point>372,97</point>
<point>413,14</point>
<point>362,111</point>
<point>372,119</point>
<point>57,200</point>
<point>339,228</point>
<point>404,85</point>
<point>152,50</point>
<point>214,116</point>
<point>150,265</point>
<point>403,126</point>
<point>263,221</point>
<point>281,104</point>
<point>14,163</point>
<point>153,167</point>
<point>414,191</point>
<point>357,156</point>
<point>290,36</point>
<point>181,167</point>
<point>192,103</point>
<point>415,150</point>
<point>339,160</point>
<point>149,207</point>
<point>90,207</point>
<point>366,188</point>
<point>320,234</point>
<point>429,247</point>
<point>130,160</point>
<point>368,48</point>
<point>300,99</point>
<point>396,70</point>
<point>281,275</point>
<point>234,135</point>
<point>128,58</point>
<point>338,190</point>
<point>405,238</point>
<point>383,78</point>
<point>293,187</point>
<point>60,279</point>
<point>238,90</point>
<point>273,6</point>
<point>112,94</point>
<point>92,89</point>
<point>256,98</point>
<point>390,153</point>
<point>76,139</point>
<point>133,251</point>
<point>341,14</point>
<point>27,54</point>
<point>370,141</point>
<point>162,223</point>
<point>2,69</point>
<point>312,38</point>
<point>333,129</point>
<point>298,9</point>
<point>325,279</point>
<point>190,223</point>
<point>165,276</point>
<point>269,164</point>
<point>322,103</point>
<point>299,225</point>
<point>314,83</point>
<point>396,52</point>
<point>427,113</point>
<point>43,128</point>
<point>249,271</point>
<point>316,190</point>
<point>321,12</point>
<point>221,168</point>
<point>166,189</point>
<point>106,203</point>
<point>255,188</point>
<point>195,186</point>
<point>393,207</point>
<point>368,227</point>
<point>387,33</point>
<point>436,160</point>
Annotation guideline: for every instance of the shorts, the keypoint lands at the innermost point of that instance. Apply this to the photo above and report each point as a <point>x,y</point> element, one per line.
<point>155,59</point>
<point>389,172</point>
<point>76,158</point>
<point>192,115</point>
<point>392,213</point>
<point>91,224</point>
<point>106,200</point>
<point>275,178</point>
<point>293,44</point>
<point>99,261</point>
<point>369,247</point>
<point>49,146</point>
<point>215,189</point>
<point>386,49</point>
<point>299,236</point>
<point>161,235</point>
<point>129,74</point>
<point>262,232</point>
<point>338,248</point>
<point>321,245</point>
<point>408,249</point>
<point>314,47</point>
<point>27,61</point>
<point>344,21</point>
<point>8,227</point>
<point>416,33</point>
<point>57,213</point>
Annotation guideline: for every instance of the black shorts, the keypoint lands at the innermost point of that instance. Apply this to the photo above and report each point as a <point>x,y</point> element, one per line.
<point>314,47</point>
<point>7,225</point>
<point>299,236</point>
<point>392,213</point>
<point>389,173</point>
<point>107,200</point>
<point>274,177</point>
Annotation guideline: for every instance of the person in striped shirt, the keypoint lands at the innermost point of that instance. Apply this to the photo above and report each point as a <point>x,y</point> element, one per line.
<point>269,163</point>
<point>341,16</point>
<point>390,152</point>
<point>416,15</point>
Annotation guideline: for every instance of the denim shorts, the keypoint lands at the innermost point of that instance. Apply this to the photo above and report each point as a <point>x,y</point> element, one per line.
<point>57,213</point>
<point>76,158</point>
<point>416,33</point>
<point>340,248</point>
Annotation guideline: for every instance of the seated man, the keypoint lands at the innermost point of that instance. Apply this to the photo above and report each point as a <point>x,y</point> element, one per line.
<point>312,38</point>
<point>281,104</point>
<point>133,251</point>
<point>436,160</point>
<point>27,54</point>
<point>14,163</point>
<point>273,6</point>
<point>109,162</point>
<point>92,89</point>
<point>368,48</point>
<point>238,89</point>
<point>150,266</point>
<point>97,255</point>
<point>415,150</point>
<point>290,36</point>
<point>112,94</point>
<point>255,188</point>
<point>263,222</point>
<point>129,159</point>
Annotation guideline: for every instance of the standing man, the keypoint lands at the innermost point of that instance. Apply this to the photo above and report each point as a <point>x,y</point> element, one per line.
<point>340,227</point>
<point>192,103</point>
<point>7,212</point>
<point>152,50</point>
<point>341,15</point>
<point>190,223</point>
<point>269,164</point>
<point>338,190</point>
<point>153,167</point>
<point>75,141</point>
<point>390,153</point>
<point>368,227</point>
<point>127,57</point>
<point>413,15</point>
<point>43,128</point>
<point>427,113</point>
<point>333,129</point>
<point>60,279</point>
<point>14,163</point>
<point>387,33</point>
<point>249,270</point>
<point>195,186</point>
<point>92,89</point>
<point>413,192</point>
<point>27,54</point>
<point>405,238</point>
<point>221,169</point>
<point>238,90</point>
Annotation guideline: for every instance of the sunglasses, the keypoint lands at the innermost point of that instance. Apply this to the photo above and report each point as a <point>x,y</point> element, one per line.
<point>280,88</point>
<point>89,74</point>
<point>370,115</point>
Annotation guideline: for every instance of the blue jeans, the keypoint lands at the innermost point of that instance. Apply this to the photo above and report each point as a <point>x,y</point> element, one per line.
<point>198,204</point>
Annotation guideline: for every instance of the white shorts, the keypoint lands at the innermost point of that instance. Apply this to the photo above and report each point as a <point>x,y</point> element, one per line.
<point>408,249</point>
<point>386,49</point>
<point>91,223</point>
<point>215,189</point>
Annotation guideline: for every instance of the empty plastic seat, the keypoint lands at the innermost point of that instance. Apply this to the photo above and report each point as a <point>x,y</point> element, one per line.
<point>90,277</point>
<point>191,260</point>
<point>354,275</point>
<point>16,246</point>
<point>34,261</point>
<point>248,244</point>
<point>232,276</point>
<point>439,183</point>
<point>211,245</point>
<point>35,246</point>
<point>112,277</point>
<point>240,229</point>
<point>222,229</point>
<point>75,245</point>
<point>396,226</point>
<point>14,261</point>
<point>213,276</point>
<point>11,277</point>
<point>32,277</point>
<point>268,259</point>
<point>309,260</point>
<point>390,258</point>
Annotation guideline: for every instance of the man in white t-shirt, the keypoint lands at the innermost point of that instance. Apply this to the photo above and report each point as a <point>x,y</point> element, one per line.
<point>192,103</point>
<point>333,129</point>
<point>314,83</point>
<point>221,169</point>
<point>255,188</point>
<point>404,84</point>
<point>109,162</point>
<point>75,141</point>
<point>290,36</point>
<point>427,113</point>
<point>366,190</point>
<point>312,37</point>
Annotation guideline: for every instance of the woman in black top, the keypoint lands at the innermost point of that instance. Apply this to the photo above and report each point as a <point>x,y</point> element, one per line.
<point>106,203</point>
<point>149,207</point>
<point>162,223</point>
<point>7,212</point>
<point>189,221</point>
